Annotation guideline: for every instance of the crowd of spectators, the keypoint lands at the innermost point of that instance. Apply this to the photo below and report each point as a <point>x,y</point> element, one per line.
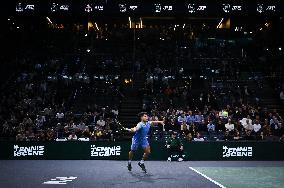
<point>185,85</point>
<point>222,111</point>
<point>241,122</point>
<point>38,106</point>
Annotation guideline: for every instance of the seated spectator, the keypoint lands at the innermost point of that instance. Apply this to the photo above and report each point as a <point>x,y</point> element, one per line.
<point>101,122</point>
<point>115,112</point>
<point>40,121</point>
<point>189,137</point>
<point>81,126</point>
<point>184,126</point>
<point>230,126</point>
<point>86,133</point>
<point>223,114</point>
<point>256,127</point>
<point>50,135</point>
<point>274,124</point>
<point>211,127</point>
<point>98,134</point>
<point>199,118</point>
<point>248,135</point>
<point>281,95</point>
<point>66,132</point>
<point>181,118</point>
<point>247,125</point>
<point>237,135</point>
<point>227,136</point>
<point>59,115</point>
<point>266,128</point>
<point>72,136</point>
<point>21,136</point>
<point>220,126</point>
<point>246,121</point>
<point>198,137</point>
<point>190,119</point>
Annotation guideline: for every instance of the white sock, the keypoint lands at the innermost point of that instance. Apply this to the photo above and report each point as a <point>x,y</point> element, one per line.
<point>129,161</point>
<point>142,161</point>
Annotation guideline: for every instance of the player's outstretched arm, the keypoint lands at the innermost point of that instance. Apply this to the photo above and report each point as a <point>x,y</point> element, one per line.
<point>158,122</point>
<point>134,129</point>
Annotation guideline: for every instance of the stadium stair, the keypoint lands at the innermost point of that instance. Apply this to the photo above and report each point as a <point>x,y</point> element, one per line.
<point>132,103</point>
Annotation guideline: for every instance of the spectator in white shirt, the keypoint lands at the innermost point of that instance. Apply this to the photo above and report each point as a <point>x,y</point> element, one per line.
<point>256,126</point>
<point>229,126</point>
<point>248,125</point>
<point>101,122</point>
<point>246,121</point>
<point>59,115</point>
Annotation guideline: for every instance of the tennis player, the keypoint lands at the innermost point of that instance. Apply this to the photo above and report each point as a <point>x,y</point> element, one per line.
<point>140,139</point>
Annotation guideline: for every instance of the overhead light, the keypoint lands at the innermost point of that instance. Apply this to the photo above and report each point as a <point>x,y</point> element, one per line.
<point>88,50</point>
<point>266,49</point>
<point>218,26</point>
<point>129,20</point>
<point>49,20</point>
<point>267,24</point>
<point>18,27</point>
<point>96,25</point>
<point>279,48</point>
<point>141,23</point>
<point>250,32</point>
<point>86,34</point>
<point>9,19</point>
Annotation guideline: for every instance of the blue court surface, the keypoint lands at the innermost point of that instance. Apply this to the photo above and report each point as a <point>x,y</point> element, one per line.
<point>98,174</point>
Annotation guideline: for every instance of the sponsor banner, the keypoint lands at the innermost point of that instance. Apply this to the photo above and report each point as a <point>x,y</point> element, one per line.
<point>237,151</point>
<point>119,150</point>
<point>105,151</point>
<point>28,151</point>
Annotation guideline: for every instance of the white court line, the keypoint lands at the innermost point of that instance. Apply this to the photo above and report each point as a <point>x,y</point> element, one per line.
<point>213,181</point>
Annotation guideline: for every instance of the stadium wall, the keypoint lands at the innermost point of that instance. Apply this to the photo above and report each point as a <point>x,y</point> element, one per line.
<point>119,150</point>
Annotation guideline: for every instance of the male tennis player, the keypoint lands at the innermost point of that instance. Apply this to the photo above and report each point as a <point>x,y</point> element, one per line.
<point>140,139</point>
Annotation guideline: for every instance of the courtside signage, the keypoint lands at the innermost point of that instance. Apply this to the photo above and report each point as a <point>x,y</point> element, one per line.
<point>60,180</point>
<point>28,151</point>
<point>98,151</point>
<point>237,152</point>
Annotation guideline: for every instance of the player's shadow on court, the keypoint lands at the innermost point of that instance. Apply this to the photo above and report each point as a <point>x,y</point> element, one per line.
<point>149,178</point>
